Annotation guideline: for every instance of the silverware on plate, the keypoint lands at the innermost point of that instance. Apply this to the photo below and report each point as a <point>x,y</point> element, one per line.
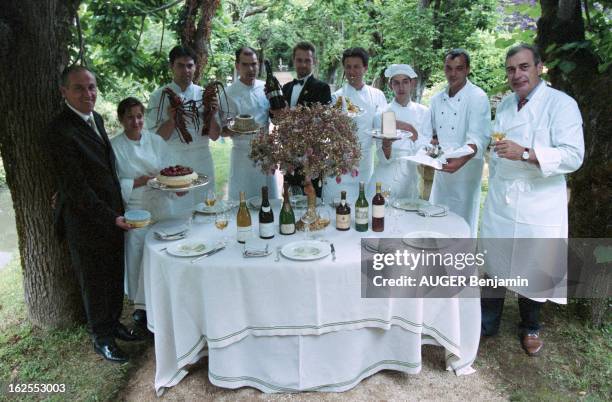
<point>209,253</point>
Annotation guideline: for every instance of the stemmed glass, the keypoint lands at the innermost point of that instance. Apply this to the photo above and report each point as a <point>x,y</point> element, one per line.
<point>210,198</point>
<point>308,217</point>
<point>387,192</point>
<point>221,223</point>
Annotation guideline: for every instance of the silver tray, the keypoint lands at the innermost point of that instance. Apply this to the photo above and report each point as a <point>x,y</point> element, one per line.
<point>202,180</point>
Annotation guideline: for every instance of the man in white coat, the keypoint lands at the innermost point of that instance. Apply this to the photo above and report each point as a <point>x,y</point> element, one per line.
<point>195,154</point>
<point>527,196</point>
<point>247,96</point>
<point>461,115</point>
<point>401,176</point>
<point>371,101</point>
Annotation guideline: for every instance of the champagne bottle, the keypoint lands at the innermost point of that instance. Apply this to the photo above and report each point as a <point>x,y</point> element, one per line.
<point>243,220</point>
<point>287,217</point>
<point>273,89</point>
<point>266,216</point>
<point>362,209</point>
<point>343,213</point>
<point>378,210</point>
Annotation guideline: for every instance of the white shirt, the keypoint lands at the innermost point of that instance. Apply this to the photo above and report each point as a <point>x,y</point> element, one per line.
<point>413,113</point>
<point>86,118</point>
<point>297,90</point>
<point>155,118</point>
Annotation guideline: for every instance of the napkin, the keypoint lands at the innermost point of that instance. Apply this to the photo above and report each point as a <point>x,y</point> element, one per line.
<point>171,231</point>
<point>422,158</point>
<point>255,248</point>
<point>433,210</point>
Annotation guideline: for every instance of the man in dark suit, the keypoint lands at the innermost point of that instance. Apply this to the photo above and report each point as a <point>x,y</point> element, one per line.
<point>89,209</point>
<point>305,90</point>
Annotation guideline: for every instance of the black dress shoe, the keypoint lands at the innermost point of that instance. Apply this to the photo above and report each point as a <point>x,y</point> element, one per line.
<point>125,334</point>
<point>140,318</point>
<point>110,351</point>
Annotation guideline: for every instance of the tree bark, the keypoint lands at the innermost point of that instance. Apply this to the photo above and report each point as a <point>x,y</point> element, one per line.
<point>33,51</point>
<point>197,35</point>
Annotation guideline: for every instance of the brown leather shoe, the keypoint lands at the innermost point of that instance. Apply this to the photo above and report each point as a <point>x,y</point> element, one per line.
<point>532,343</point>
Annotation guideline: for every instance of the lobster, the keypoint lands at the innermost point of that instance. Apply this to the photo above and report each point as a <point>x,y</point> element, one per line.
<point>211,91</point>
<point>185,111</point>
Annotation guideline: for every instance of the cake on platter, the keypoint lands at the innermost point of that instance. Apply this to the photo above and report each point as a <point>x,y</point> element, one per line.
<point>244,123</point>
<point>177,176</point>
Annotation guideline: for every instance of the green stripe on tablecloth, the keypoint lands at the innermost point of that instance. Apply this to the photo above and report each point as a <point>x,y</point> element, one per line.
<point>311,326</point>
<point>336,385</point>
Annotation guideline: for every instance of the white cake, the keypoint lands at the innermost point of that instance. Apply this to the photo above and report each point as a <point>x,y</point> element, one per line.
<point>177,176</point>
<point>389,128</point>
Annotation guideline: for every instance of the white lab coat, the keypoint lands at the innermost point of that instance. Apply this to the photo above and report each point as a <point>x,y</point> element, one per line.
<point>530,201</point>
<point>372,101</point>
<point>134,159</point>
<point>401,175</point>
<point>196,154</point>
<point>244,174</point>
<point>463,119</point>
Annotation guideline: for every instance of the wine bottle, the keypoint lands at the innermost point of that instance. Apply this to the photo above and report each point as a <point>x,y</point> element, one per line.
<point>343,213</point>
<point>243,220</point>
<point>362,209</point>
<point>266,216</point>
<point>287,217</point>
<point>378,210</point>
<point>273,89</point>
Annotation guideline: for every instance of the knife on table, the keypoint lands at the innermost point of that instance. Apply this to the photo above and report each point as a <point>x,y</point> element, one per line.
<point>333,251</point>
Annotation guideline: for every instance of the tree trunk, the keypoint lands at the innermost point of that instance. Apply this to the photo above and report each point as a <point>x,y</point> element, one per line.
<point>197,36</point>
<point>33,51</point>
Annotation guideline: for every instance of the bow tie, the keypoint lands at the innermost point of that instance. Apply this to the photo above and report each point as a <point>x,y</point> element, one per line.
<point>296,81</point>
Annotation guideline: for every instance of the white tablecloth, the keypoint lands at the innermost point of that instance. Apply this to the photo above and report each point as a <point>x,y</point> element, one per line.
<point>294,326</point>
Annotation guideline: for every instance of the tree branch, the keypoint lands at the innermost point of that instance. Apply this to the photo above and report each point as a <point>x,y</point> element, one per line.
<point>254,11</point>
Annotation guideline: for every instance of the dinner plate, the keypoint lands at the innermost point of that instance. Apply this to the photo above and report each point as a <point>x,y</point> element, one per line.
<point>191,248</point>
<point>221,206</point>
<point>409,204</point>
<point>202,180</point>
<point>306,250</point>
<point>427,240</point>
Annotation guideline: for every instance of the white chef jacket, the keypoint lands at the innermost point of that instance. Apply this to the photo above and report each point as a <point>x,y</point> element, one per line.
<point>401,175</point>
<point>462,119</point>
<point>134,159</point>
<point>196,154</point>
<point>530,201</point>
<point>372,101</point>
<point>244,175</point>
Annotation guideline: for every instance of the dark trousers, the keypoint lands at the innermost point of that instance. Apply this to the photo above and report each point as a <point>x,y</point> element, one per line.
<point>492,306</point>
<point>100,273</point>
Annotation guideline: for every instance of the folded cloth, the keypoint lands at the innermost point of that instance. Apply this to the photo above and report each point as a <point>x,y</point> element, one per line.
<point>433,210</point>
<point>255,248</point>
<point>171,231</point>
<point>423,158</point>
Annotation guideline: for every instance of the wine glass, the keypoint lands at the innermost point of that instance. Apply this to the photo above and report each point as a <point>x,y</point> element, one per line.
<point>387,192</point>
<point>309,217</point>
<point>211,198</point>
<point>221,223</point>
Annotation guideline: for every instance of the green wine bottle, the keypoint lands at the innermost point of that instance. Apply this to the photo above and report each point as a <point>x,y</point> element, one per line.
<point>287,217</point>
<point>362,209</point>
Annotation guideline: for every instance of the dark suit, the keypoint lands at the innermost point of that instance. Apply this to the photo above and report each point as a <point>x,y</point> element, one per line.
<point>89,201</point>
<point>314,91</point>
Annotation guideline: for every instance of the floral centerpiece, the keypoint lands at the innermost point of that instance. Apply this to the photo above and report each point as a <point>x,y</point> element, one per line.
<point>319,140</point>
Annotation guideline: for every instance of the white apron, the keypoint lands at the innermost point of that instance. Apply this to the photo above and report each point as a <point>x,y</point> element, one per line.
<point>525,203</point>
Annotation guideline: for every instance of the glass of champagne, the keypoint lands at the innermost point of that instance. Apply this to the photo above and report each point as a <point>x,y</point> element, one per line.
<point>308,218</point>
<point>221,223</point>
<point>211,198</point>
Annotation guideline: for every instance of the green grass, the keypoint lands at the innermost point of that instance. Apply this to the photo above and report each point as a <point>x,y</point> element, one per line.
<point>575,363</point>
<point>220,151</point>
<point>31,356</point>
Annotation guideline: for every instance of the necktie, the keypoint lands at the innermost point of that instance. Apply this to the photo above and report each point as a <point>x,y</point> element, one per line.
<point>522,103</point>
<point>296,81</point>
<point>93,126</point>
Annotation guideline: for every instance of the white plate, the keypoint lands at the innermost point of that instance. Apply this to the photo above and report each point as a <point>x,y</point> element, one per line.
<point>378,135</point>
<point>408,204</point>
<point>306,250</point>
<point>220,206</point>
<point>427,240</point>
<point>202,180</point>
<point>191,248</point>
<point>255,202</point>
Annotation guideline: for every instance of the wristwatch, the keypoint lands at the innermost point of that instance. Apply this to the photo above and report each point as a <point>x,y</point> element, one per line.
<point>525,155</point>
